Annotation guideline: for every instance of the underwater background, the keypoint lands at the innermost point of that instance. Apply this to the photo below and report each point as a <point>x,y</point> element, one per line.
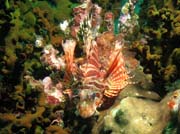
<point>82,66</point>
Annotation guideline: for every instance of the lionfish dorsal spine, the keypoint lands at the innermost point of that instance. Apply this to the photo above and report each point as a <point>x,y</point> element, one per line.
<point>91,69</point>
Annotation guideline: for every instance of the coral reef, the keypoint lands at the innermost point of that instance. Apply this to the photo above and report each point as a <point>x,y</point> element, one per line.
<point>158,48</point>
<point>65,65</point>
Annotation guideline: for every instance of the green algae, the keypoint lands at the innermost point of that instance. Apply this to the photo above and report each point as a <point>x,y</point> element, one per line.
<point>119,118</point>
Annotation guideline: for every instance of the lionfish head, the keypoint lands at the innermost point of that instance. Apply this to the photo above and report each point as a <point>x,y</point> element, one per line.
<point>90,100</point>
<point>86,108</point>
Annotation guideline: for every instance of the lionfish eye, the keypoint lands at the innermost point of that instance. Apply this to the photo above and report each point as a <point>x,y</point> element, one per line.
<point>93,95</point>
<point>175,95</point>
<point>97,94</point>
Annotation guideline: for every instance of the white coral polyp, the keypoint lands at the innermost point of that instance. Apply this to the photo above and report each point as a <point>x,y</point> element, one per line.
<point>63,26</point>
<point>47,83</point>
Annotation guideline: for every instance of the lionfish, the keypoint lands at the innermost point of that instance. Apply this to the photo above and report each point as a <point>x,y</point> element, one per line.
<point>99,81</point>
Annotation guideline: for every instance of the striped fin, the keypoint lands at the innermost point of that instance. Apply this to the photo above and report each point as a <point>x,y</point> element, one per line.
<point>116,76</point>
<point>91,69</point>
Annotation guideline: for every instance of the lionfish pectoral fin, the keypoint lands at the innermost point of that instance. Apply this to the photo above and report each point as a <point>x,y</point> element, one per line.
<point>113,65</point>
<point>116,77</point>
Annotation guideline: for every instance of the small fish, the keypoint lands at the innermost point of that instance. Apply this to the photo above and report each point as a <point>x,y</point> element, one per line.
<point>174,102</point>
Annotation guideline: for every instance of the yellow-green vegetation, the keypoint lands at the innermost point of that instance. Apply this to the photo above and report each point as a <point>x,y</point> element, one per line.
<point>160,22</point>
<point>55,129</point>
<point>60,11</point>
<point>23,105</point>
